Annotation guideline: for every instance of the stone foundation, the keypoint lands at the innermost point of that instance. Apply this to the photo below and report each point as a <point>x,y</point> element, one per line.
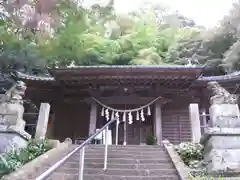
<point>222,153</point>
<point>11,140</point>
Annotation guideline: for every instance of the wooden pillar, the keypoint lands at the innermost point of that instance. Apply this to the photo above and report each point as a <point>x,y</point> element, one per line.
<point>204,120</point>
<point>125,133</point>
<point>93,118</point>
<point>158,122</point>
<point>195,122</point>
<point>50,127</point>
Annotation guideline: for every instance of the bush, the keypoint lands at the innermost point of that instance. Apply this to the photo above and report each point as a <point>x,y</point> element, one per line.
<point>17,158</point>
<point>151,140</point>
<point>204,177</point>
<point>191,153</point>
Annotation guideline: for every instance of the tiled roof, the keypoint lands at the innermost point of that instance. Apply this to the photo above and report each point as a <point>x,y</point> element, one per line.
<point>21,75</point>
<point>223,78</point>
<point>136,67</point>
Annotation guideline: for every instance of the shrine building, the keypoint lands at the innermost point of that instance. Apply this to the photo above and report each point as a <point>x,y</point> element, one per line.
<point>147,100</point>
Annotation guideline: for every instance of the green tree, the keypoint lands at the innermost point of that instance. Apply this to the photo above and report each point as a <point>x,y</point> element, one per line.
<point>95,35</point>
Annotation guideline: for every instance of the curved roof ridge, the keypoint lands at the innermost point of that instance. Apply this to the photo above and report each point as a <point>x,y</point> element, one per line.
<point>232,76</point>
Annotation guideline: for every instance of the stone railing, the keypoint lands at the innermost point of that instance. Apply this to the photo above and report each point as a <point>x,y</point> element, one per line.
<point>38,165</point>
<point>182,170</point>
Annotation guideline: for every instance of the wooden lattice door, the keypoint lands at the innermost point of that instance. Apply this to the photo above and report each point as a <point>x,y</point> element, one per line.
<point>133,132</point>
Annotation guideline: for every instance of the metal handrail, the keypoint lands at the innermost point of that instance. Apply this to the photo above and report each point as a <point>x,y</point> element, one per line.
<point>52,169</point>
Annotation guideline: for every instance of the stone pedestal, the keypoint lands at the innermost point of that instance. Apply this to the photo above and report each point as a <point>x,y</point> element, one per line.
<point>222,141</point>
<point>224,116</point>
<point>12,137</point>
<point>10,141</point>
<point>12,133</point>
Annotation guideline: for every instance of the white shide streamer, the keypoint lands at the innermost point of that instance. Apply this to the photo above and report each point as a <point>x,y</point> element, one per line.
<point>126,112</point>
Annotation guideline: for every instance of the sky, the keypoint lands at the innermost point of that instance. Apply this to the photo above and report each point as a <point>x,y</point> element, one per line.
<point>203,12</point>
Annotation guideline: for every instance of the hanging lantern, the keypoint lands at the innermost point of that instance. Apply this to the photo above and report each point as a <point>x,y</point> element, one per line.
<point>137,116</point>
<point>149,111</point>
<point>102,111</point>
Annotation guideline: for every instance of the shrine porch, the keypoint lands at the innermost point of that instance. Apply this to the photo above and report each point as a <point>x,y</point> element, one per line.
<point>80,120</point>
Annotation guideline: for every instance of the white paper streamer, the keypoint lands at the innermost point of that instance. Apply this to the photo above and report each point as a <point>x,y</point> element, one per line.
<point>142,115</point>
<point>117,117</point>
<point>137,116</point>
<point>112,116</point>
<point>102,111</point>
<point>107,114</point>
<point>149,111</point>
<point>139,111</point>
<point>130,118</point>
<point>124,117</point>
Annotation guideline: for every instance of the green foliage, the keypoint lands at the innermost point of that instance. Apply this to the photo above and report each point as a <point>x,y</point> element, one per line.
<point>98,35</point>
<point>190,153</point>
<point>204,177</point>
<point>17,158</point>
<point>93,36</point>
<point>151,140</point>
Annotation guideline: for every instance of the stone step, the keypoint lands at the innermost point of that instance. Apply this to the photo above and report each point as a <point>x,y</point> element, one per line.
<point>121,166</point>
<point>131,162</point>
<point>63,176</point>
<point>127,146</point>
<point>153,148</point>
<point>107,177</point>
<point>132,152</point>
<point>124,160</point>
<point>125,156</point>
<point>119,172</point>
<point>160,150</point>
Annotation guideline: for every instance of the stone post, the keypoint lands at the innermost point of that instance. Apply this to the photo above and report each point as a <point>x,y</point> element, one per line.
<point>42,122</point>
<point>158,122</point>
<point>93,118</point>
<point>195,122</point>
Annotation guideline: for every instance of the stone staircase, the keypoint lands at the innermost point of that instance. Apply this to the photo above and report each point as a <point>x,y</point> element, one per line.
<point>129,162</point>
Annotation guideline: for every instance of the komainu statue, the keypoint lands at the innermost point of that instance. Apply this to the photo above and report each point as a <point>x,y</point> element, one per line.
<point>221,95</point>
<point>11,106</point>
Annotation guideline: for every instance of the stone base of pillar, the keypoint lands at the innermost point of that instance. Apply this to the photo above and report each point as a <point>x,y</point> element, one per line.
<point>222,141</point>
<point>12,137</point>
<point>222,151</point>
